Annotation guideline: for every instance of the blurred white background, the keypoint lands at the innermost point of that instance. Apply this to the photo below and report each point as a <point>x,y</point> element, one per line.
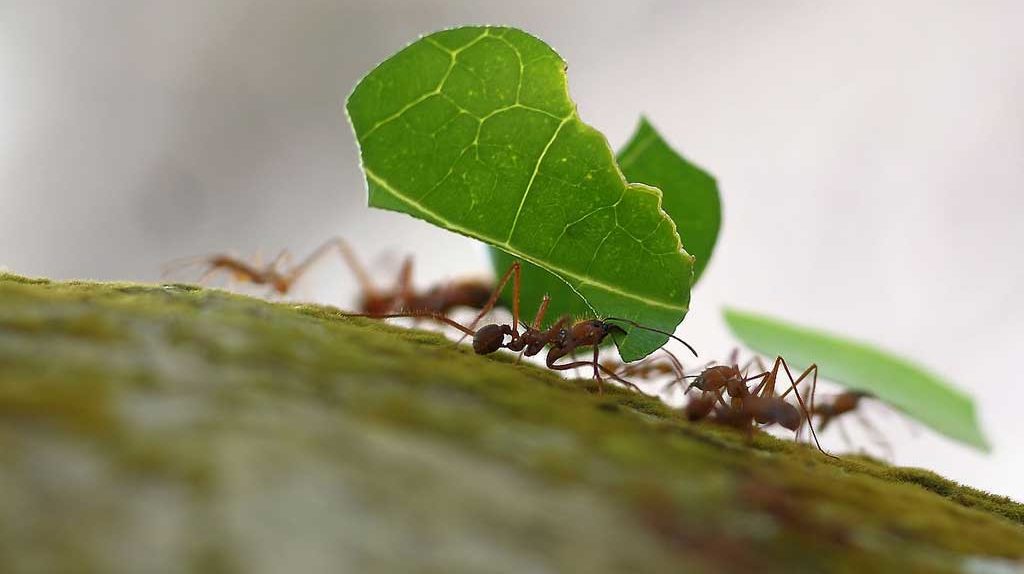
<point>870,157</point>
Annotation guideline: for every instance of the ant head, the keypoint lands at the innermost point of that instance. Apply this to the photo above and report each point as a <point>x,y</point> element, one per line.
<point>698,383</point>
<point>611,328</point>
<point>488,339</point>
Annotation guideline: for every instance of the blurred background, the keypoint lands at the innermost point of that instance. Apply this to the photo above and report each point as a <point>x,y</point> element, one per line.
<point>870,158</point>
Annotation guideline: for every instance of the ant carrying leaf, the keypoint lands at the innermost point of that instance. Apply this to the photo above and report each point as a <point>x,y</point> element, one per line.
<point>561,339</point>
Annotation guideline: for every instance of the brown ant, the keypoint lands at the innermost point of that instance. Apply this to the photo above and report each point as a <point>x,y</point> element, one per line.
<point>275,274</point>
<point>837,407</point>
<point>440,298</point>
<point>761,405</point>
<point>561,339</point>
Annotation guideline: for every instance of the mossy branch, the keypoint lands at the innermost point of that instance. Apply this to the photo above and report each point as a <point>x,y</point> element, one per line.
<point>166,427</point>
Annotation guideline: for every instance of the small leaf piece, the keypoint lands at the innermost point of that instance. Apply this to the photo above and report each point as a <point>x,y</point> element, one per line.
<point>920,394</point>
<point>472,129</point>
<point>689,196</point>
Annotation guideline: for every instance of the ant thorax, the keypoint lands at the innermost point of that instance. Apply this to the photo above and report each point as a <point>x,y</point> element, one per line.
<point>588,332</point>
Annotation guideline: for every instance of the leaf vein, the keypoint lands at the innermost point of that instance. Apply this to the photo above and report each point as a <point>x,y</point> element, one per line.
<point>582,280</point>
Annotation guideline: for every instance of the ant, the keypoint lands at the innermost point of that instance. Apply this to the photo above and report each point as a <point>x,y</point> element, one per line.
<point>833,408</point>
<point>761,405</point>
<point>442,298</point>
<point>561,339</point>
<point>274,274</point>
<point>838,406</point>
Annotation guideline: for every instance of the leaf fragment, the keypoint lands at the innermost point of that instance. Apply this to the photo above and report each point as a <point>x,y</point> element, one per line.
<point>472,129</point>
<point>689,196</point>
<point>917,392</point>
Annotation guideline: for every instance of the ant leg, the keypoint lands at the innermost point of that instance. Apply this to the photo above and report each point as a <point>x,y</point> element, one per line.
<point>276,268</point>
<point>746,366</point>
<point>403,284</point>
<point>176,265</point>
<point>767,386</point>
<point>611,374</point>
<point>207,274</point>
<point>352,262</point>
<point>792,387</point>
<point>597,369</point>
<point>299,270</point>
<point>575,359</point>
<point>284,258</point>
<point>597,365</point>
<point>876,435</point>
<point>844,434</point>
<point>416,314</point>
<point>677,366</point>
<point>541,311</point>
<point>803,376</point>
<point>513,271</point>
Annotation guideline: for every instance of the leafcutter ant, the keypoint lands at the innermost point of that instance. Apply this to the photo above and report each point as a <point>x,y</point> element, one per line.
<point>745,407</point>
<point>402,297</point>
<point>276,275</point>
<point>561,339</point>
<point>838,407</point>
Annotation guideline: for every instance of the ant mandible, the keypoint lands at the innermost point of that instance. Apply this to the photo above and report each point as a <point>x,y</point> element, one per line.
<point>441,298</point>
<point>561,339</point>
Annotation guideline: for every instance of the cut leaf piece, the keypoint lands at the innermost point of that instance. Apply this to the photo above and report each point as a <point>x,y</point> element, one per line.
<point>920,394</point>
<point>689,196</point>
<point>472,129</point>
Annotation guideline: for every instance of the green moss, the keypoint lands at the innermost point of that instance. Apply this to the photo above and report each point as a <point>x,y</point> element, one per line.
<point>153,409</point>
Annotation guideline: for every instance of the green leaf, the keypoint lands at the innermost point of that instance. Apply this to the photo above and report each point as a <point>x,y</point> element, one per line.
<point>920,394</point>
<point>472,129</point>
<point>689,196</point>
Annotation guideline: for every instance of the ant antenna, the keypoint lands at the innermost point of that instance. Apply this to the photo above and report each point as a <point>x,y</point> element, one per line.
<point>612,333</point>
<point>677,365</point>
<point>652,329</point>
<point>414,314</point>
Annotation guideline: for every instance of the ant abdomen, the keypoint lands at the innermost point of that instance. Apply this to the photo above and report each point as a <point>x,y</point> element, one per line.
<point>488,339</point>
<point>790,417</point>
